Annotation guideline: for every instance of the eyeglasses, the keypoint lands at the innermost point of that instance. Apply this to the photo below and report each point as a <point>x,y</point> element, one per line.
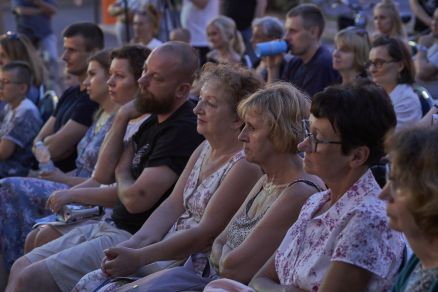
<point>378,63</point>
<point>4,82</point>
<point>312,139</point>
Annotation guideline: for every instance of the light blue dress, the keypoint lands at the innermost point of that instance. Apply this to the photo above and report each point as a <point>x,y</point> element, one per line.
<point>22,200</point>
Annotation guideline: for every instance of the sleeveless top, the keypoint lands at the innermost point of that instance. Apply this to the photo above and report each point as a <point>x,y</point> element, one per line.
<point>197,194</point>
<point>244,224</point>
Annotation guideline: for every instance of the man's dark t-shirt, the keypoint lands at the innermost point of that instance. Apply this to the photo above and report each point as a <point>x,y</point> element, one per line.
<point>169,143</point>
<point>313,76</point>
<point>75,105</point>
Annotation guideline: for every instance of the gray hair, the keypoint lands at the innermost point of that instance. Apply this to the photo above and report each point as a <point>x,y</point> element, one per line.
<point>271,26</point>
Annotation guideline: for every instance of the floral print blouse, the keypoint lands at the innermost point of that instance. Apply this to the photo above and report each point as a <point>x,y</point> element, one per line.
<point>354,230</point>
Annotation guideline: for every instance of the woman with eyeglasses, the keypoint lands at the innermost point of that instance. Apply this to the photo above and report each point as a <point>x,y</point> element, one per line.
<point>412,204</point>
<point>17,47</point>
<point>352,46</point>
<point>390,66</point>
<point>341,240</point>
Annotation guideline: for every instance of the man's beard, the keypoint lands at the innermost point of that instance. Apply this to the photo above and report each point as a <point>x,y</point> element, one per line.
<point>146,102</point>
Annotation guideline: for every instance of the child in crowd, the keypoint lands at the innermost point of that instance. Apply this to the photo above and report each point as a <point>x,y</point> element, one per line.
<point>20,120</point>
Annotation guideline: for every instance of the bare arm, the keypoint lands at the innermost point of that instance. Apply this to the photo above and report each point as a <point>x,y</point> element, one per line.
<point>7,148</point>
<point>41,7</point>
<point>226,200</point>
<point>112,147</point>
<point>66,178</point>
<point>335,279</point>
<point>426,121</point>
<point>419,12</point>
<point>158,224</point>
<point>63,142</point>
<point>106,197</point>
<point>240,264</point>
<point>260,8</point>
<point>46,130</point>
<point>141,194</point>
<point>267,280</point>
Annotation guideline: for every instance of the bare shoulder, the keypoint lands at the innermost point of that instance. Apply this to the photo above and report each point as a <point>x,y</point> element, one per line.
<point>304,187</point>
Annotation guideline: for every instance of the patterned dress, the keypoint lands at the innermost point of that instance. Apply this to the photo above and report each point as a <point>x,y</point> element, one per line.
<point>22,200</point>
<point>354,230</point>
<point>196,198</point>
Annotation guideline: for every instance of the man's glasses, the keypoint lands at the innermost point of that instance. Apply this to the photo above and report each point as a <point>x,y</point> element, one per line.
<point>378,63</point>
<point>312,139</point>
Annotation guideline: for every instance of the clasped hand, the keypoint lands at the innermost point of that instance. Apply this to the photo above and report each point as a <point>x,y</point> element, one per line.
<point>120,261</point>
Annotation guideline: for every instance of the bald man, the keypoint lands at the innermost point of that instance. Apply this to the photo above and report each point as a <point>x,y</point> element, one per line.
<point>145,169</point>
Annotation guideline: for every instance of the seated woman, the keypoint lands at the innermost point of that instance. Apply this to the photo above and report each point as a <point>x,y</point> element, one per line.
<point>213,185</point>
<point>391,66</point>
<point>125,69</point>
<point>17,47</point>
<point>272,130</point>
<point>350,56</point>
<point>412,204</point>
<point>145,25</point>
<point>341,231</point>
<point>387,21</point>
<point>24,199</point>
<point>20,120</point>
<point>225,40</point>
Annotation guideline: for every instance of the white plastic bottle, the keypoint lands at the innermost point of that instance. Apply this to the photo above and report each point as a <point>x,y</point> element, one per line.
<point>42,155</point>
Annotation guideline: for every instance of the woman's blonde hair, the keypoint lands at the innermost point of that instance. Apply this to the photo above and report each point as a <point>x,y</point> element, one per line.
<point>397,29</point>
<point>414,158</point>
<point>357,41</point>
<point>18,47</point>
<point>229,32</point>
<point>282,107</point>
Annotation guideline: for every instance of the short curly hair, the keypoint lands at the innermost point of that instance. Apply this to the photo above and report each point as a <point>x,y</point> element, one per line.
<point>236,80</point>
<point>282,107</point>
<point>414,157</point>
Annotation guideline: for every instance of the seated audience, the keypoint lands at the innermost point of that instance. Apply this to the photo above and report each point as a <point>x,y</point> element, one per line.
<point>344,230</point>
<point>412,204</point>
<point>310,69</point>
<point>426,60</point>
<point>180,34</point>
<point>272,129</point>
<point>74,112</point>
<point>145,25</point>
<point>387,21</point>
<point>146,168</point>
<point>124,71</point>
<point>266,29</point>
<point>350,57</point>
<point>17,47</point>
<point>24,199</point>
<point>226,43</point>
<point>211,189</point>
<point>20,120</point>
<point>391,66</point>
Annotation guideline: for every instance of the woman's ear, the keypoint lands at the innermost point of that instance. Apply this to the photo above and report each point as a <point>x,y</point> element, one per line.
<point>359,156</point>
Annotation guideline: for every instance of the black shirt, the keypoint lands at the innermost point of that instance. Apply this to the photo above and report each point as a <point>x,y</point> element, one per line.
<point>241,11</point>
<point>313,76</point>
<point>169,143</point>
<point>75,105</point>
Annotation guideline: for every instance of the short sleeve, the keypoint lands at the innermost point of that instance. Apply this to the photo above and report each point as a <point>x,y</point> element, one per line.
<point>174,155</point>
<point>84,111</point>
<point>25,128</point>
<point>369,243</point>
